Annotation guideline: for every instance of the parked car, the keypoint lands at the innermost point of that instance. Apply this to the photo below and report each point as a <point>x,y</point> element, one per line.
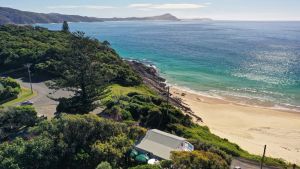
<point>237,167</point>
<point>26,103</point>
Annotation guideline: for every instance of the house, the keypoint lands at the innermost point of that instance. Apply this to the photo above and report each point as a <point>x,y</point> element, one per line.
<point>159,144</point>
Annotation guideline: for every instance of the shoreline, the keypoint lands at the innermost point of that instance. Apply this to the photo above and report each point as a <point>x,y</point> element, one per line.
<point>248,126</point>
<point>233,101</point>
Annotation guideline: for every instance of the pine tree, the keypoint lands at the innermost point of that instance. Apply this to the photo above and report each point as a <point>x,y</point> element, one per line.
<point>82,73</point>
<point>65,27</point>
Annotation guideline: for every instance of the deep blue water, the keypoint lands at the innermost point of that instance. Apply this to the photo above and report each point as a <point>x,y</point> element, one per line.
<point>250,62</point>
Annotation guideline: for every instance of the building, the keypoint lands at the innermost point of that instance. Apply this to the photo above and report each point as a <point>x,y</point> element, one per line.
<point>159,144</point>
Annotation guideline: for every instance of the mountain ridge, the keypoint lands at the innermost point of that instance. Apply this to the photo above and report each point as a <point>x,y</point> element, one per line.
<point>15,16</point>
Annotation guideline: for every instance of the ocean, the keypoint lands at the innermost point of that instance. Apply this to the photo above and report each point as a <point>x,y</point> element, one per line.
<point>255,63</point>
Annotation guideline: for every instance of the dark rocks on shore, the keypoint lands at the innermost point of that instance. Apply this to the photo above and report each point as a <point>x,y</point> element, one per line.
<point>152,79</point>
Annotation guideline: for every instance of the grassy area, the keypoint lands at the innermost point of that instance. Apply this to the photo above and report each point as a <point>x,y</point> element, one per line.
<point>117,90</point>
<point>24,95</point>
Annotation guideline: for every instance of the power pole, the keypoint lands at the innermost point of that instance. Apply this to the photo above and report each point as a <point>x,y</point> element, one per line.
<point>168,95</point>
<point>263,157</point>
<point>29,74</point>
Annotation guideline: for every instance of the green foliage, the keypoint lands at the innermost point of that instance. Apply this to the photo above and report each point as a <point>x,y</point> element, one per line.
<point>55,144</point>
<point>81,72</point>
<point>149,111</point>
<point>104,165</point>
<point>14,119</point>
<point>27,44</point>
<point>9,88</point>
<point>198,160</point>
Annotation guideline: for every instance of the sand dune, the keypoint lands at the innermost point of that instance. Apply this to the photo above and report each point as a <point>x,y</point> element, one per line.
<point>249,126</point>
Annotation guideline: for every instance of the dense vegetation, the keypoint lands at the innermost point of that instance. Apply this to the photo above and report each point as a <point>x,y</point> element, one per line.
<point>9,89</point>
<point>16,120</point>
<point>54,144</point>
<point>93,72</point>
<point>45,49</point>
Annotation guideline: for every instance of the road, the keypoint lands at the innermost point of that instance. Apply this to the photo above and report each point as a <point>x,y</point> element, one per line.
<point>246,164</point>
<point>42,103</point>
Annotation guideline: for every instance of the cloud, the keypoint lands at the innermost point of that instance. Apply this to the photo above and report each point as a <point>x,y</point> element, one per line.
<point>139,5</point>
<point>168,6</point>
<point>80,7</point>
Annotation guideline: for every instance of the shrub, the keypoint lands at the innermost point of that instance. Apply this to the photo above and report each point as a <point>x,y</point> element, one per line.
<point>198,160</point>
<point>104,165</point>
<point>9,88</point>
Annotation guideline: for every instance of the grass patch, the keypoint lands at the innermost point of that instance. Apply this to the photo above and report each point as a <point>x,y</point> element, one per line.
<point>24,95</point>
<point>117,90</point>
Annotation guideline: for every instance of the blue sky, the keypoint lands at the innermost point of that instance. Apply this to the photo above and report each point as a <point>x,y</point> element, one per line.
<point>215,9</point>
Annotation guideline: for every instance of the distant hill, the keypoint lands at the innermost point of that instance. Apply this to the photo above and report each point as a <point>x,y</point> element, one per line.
<point>167,17</point>
<point>14,16</point>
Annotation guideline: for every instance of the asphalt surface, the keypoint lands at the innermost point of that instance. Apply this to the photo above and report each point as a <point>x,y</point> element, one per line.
<point>246,164</point>
<point>43,103</point>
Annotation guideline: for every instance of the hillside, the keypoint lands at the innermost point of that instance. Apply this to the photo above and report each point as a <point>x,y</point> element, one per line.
<point>14,16</point>
<point>95,72</point>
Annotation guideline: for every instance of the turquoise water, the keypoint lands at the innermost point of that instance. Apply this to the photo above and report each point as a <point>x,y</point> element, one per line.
<point>250,62</point>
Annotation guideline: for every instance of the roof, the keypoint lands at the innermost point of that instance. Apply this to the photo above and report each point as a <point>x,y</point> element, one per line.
<point>160,143</point>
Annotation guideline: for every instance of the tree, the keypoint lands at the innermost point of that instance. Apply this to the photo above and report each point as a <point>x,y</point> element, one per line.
<point>81,72</point>
<point>65,27</point>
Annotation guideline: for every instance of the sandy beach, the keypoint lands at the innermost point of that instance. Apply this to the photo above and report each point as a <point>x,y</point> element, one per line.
<point>250,127</point>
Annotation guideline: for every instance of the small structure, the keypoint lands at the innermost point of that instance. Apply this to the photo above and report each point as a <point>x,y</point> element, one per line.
<point>159,144</point>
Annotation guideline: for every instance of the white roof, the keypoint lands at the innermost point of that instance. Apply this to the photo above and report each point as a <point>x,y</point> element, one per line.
<point>160,143</point>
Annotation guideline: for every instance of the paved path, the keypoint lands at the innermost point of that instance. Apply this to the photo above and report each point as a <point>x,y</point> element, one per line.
<point>42,103</point>
<point>246,164</point>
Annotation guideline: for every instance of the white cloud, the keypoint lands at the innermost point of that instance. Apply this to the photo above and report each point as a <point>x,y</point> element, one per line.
<point>139,5</point>
<point>168,6</point>
<point>80,7</point>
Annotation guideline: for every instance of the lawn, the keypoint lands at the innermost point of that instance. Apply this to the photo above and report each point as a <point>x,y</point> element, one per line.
<point>24,95</point>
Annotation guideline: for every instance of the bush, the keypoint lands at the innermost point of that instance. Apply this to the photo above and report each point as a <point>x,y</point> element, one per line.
<point>104,165</point>
<point>9,88</point>
<point>12,120</point>
<point>150,111</point>
<point>198,160</point>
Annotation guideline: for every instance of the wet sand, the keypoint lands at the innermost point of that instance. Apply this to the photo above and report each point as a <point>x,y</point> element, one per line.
<point>250,127</point>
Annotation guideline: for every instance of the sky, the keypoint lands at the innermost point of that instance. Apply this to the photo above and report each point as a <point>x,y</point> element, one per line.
<point>215,9</point>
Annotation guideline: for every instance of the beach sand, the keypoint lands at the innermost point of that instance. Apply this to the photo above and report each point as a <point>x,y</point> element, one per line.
<point>250,127</point>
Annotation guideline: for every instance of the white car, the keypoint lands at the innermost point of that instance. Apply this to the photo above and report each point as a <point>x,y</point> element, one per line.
<point>237,167</point>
